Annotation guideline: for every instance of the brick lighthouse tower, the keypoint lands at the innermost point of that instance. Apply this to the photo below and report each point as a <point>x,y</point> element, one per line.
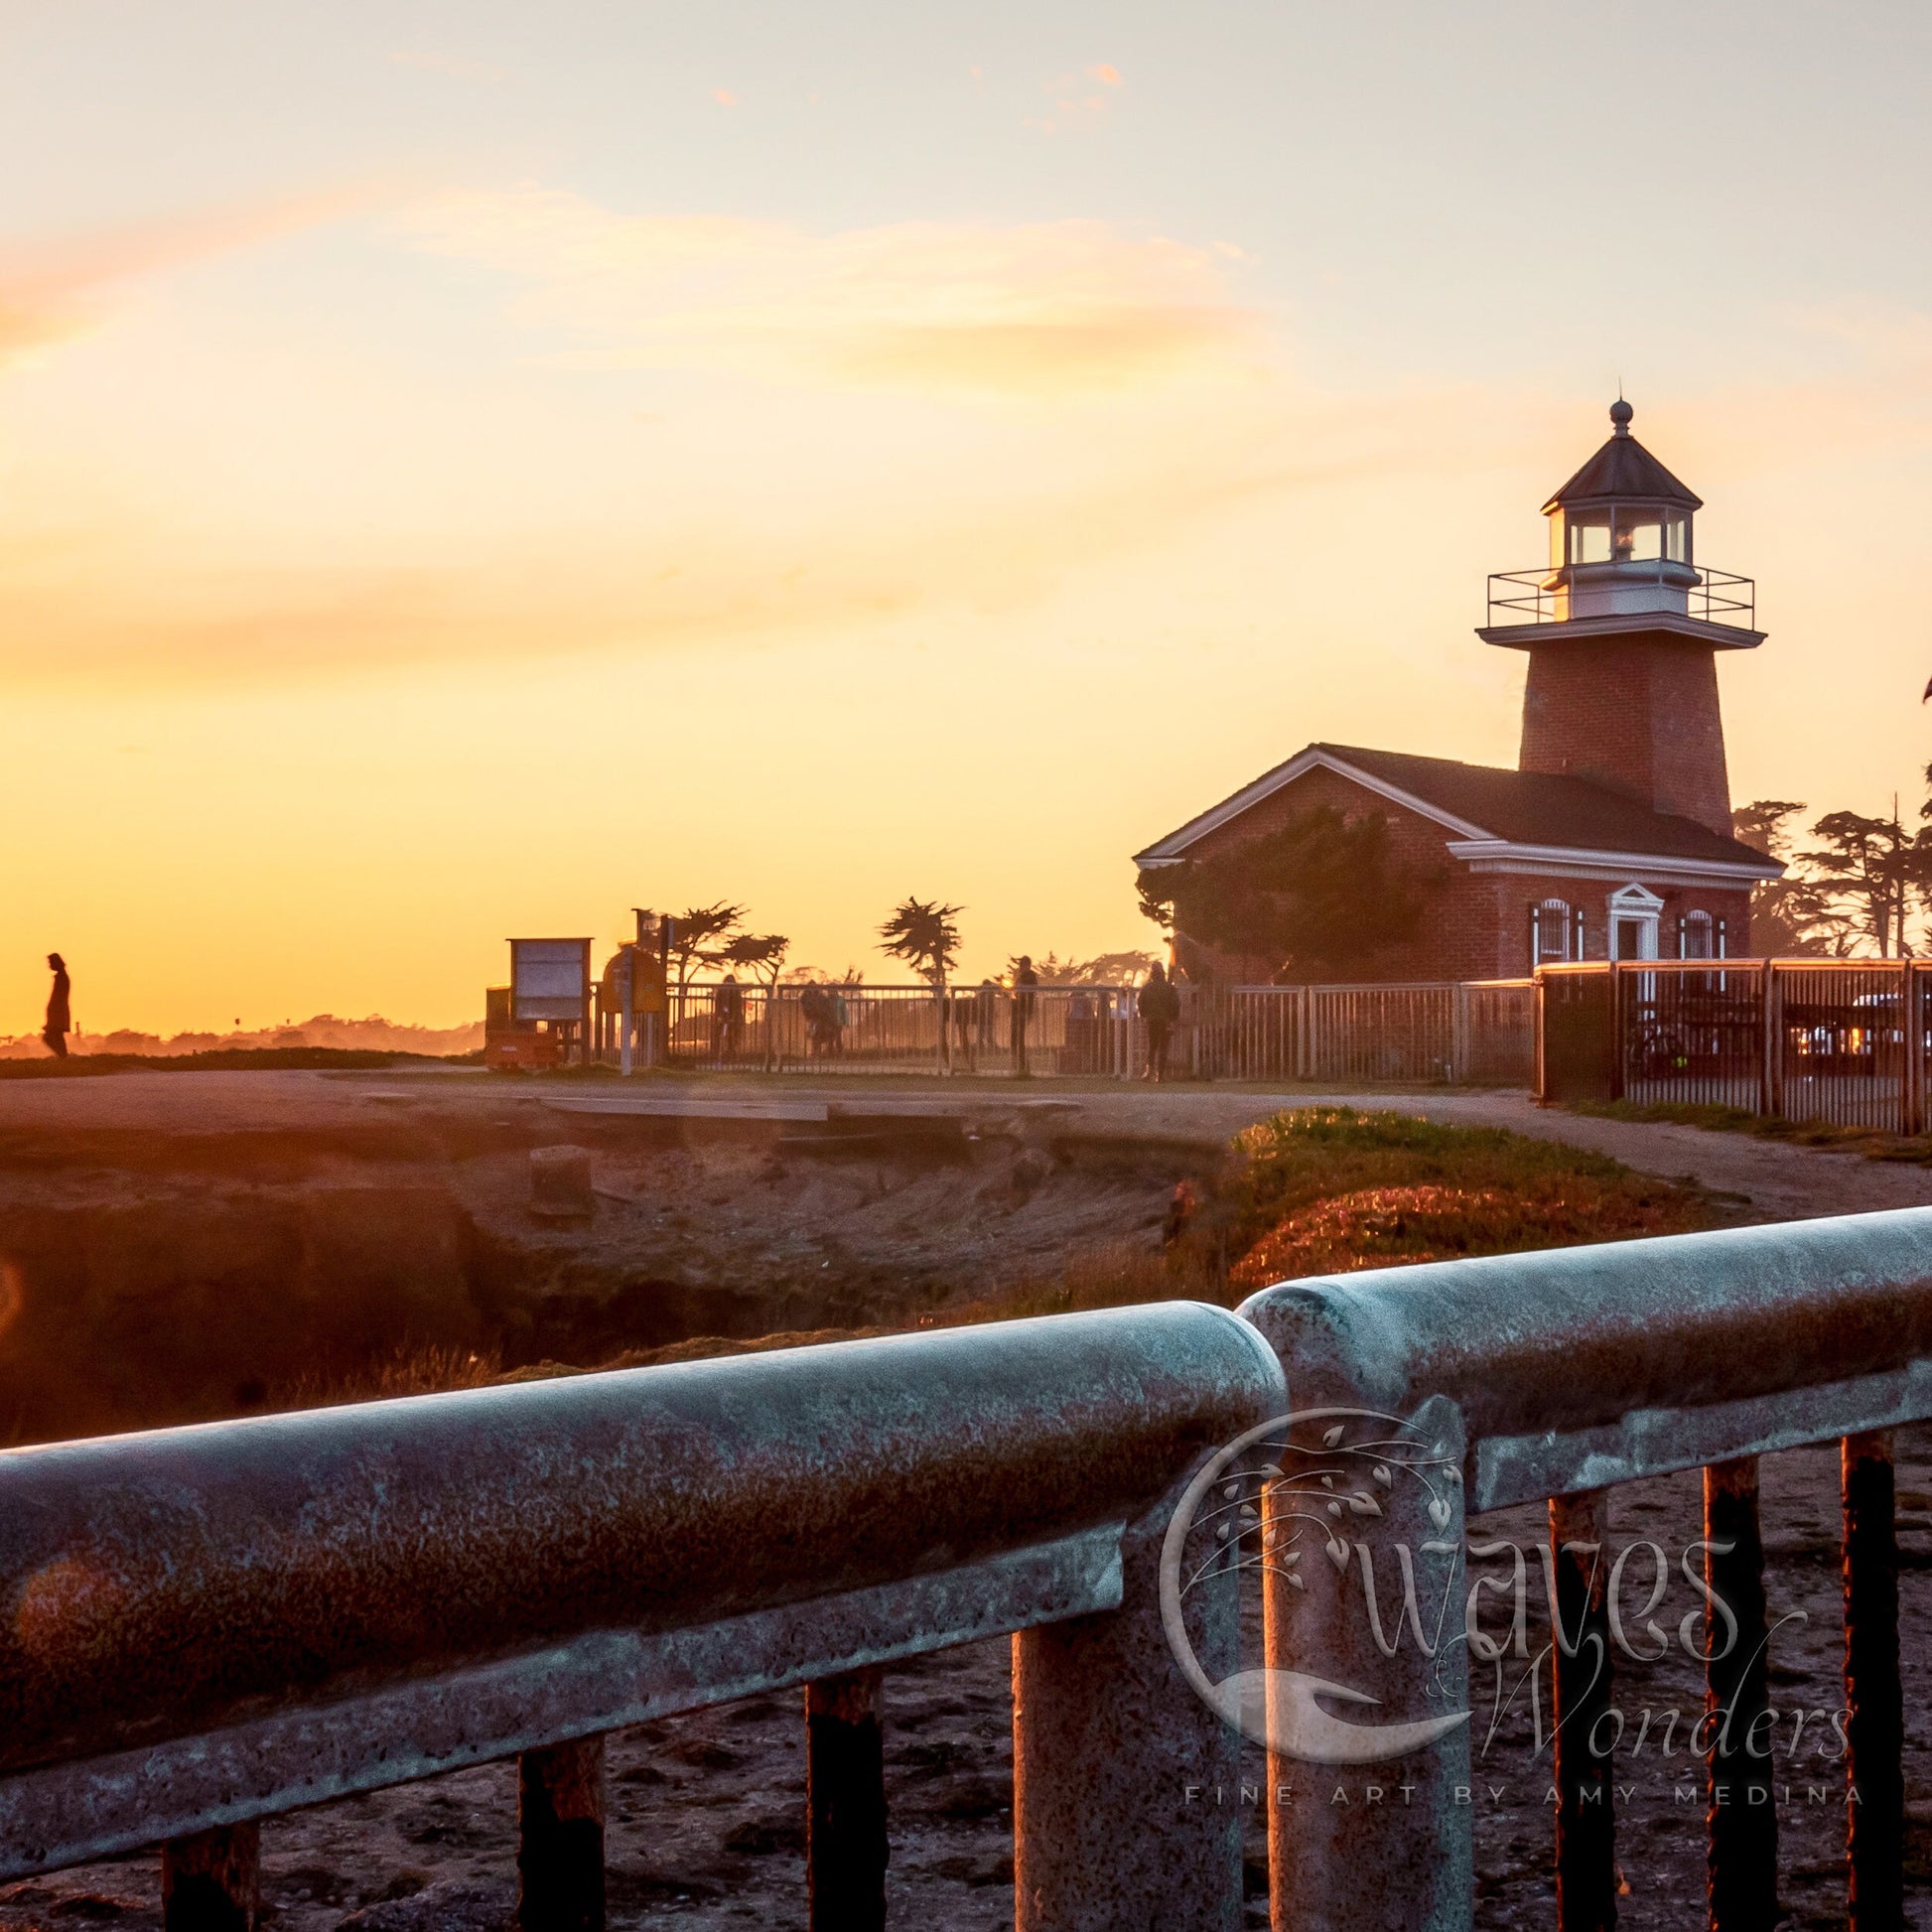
<point>1625,626</point>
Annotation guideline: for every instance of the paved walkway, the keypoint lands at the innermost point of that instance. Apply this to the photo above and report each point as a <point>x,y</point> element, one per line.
<point>1779,1182</point>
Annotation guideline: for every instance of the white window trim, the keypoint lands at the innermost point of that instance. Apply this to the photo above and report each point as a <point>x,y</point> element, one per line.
<point>1635,901</point>
<point>1571,922</point>
<point>1697,919</point>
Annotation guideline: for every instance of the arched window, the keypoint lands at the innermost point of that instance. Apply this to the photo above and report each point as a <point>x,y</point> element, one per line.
<point>1556,934</point>
<point>1697,936</point>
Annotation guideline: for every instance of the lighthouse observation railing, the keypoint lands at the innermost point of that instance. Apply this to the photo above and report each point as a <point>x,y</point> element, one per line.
<point>1526,597</point>
<point>1563,1375</point>
<point>208,1626</point>
<point>1843,1041</point>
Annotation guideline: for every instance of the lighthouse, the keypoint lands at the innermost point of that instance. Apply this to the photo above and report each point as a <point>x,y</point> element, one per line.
<point>1622,630</point>
<point>1612,838</point>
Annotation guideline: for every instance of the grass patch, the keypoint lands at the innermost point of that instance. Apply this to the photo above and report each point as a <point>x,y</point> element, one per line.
<point>1874,1143</point>
<point>1328,1191</point>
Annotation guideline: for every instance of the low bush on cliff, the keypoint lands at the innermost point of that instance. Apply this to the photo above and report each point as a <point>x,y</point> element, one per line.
<point>1328,1190</point>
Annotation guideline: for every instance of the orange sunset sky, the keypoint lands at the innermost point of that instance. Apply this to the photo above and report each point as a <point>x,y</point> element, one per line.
<point>469,470</point>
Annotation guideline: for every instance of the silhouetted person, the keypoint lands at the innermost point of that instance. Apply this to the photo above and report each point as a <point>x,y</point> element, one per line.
<point>60,1012</point>
<point>728,1019</point>
<point>815,1009</point>
<point>1159,1005</point>
<point>1024,981</point>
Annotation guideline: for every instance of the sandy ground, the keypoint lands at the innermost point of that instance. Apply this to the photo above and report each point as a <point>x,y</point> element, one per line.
<point>707,1811</point>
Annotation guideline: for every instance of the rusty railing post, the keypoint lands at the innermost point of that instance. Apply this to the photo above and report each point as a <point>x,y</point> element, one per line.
<point>560,1807</point>
<point>1358,1846</point>
<point>212,1882</point>
<point>845,1796</point>
<point>1742,1857</point>
<point>1875,1727</point>
<point>1580,1695</point>
<point>1126,1786</point>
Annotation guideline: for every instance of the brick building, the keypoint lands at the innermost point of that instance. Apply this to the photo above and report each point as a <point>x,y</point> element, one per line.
<point>1612,837</point>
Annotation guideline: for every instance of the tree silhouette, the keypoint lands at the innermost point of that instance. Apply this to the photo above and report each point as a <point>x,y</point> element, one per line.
<point>1103,969</point>
<point>761,953</point>
<point>694,930</point>
<point>1321,895</point>
<point>1870,867</point>
<point>922,934</point>
<point>1792,915</point>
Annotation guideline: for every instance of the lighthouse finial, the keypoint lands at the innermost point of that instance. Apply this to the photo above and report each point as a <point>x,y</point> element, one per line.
<point>1622,412</point>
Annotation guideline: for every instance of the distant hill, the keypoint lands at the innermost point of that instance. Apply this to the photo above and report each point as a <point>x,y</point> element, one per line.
<point>372,1035</point>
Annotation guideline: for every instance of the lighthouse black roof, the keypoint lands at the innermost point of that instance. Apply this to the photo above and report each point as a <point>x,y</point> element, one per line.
<point>1622,471</point>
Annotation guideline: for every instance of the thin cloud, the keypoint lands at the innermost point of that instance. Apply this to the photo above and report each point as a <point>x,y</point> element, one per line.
<point>56,287</point>
<point>82,605</point>
<point>1039,308</point>
<point>1075,104</point>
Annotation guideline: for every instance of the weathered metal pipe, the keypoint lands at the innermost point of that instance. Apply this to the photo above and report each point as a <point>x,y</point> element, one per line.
<point>1576,1336</point>
<point>160,1584</point>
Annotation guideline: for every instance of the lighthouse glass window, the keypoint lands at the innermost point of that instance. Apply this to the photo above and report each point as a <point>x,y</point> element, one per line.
<point>1639,538</point>
<point>1587,533</point>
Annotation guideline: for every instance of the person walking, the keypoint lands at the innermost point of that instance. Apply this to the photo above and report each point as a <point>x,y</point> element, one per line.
<point>60,1008</point>
<point>1160,1008</point>
<point>1024,995</point>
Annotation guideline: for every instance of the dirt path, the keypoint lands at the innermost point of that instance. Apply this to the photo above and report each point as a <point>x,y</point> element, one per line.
<point>1780,1183</point>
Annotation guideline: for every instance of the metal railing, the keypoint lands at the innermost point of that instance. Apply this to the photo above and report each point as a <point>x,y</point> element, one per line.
<point>1528,597</point>
<point>1561,1375</point>
<point>211,1625</point>
<point>1844,1042</point>
<point>1090,1030</point>
<point>1481,1032</point>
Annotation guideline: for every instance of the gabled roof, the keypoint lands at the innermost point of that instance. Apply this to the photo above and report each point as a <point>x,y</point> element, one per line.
<point>1623,469</point>
<point>1491,804</point>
